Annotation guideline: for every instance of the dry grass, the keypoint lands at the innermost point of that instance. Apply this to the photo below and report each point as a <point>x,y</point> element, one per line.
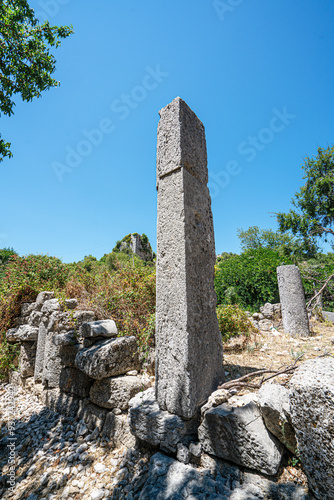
<point>273,351</point>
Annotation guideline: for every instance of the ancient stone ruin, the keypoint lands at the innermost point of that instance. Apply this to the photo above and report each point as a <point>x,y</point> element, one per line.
<point>189,360</point>
<point>181,437</point>
<point>292,298</point>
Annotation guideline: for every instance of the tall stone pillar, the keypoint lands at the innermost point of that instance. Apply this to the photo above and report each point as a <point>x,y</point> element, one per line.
<point>292,298</point>
<point>189,353</point>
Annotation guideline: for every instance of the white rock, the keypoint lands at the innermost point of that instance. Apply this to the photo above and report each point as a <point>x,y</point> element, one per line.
<point>97,494</point>
<point>99,468</point>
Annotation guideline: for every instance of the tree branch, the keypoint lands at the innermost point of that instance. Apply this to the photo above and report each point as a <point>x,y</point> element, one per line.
<point>308,305</point>
<point>240,382</point>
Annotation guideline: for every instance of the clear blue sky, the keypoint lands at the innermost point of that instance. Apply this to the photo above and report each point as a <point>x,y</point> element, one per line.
<point>258,73</point>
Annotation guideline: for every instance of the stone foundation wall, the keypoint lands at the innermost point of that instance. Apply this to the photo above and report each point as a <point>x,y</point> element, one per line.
<point>78,366</point>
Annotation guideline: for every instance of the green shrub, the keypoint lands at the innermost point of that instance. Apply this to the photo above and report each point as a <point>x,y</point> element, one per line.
<point>8,353</point>
<point>233,321</point>
<point>252,275</point>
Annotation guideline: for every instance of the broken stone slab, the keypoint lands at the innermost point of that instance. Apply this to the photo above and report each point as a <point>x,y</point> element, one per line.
<point>61,402</point>
<point>312,413</point>
<point>50,306</point>
<point>109,358</point>
<point>117,429</point>
<point>147,360</point>
<point>271,311</point>
<point>41,298</point>
<point>238,434</point>
<point>116,392</point>
<point>328,316</point>
<point>157,427</point>
<point>68,354</point>
<point>189,359</point>
<point>62,322</point>
<point>273,400</point>
<point>27,308</point>
<point>11,334</point>
<point>27,359</point>
<point>35,318</point>
<point>39,361</point>
<point>23,333</point>
<point>292,299</point>
<point>103,328</point>
<point>52,364</point>
<point>93,416</point>
<point>74,382</point>
<point>90,342</point>
<point>76,319</point>
<point>256,487</point>
<point>65,339</point>
<point>71,303</point>
<point>265,325</point>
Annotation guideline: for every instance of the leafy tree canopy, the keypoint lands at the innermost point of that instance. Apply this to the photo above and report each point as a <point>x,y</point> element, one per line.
<point>313,214</point>
<point>286,244</point>
<point>26,64</point>
<point>249,279</point>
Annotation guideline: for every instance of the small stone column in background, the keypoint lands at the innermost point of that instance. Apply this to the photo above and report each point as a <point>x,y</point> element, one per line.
<point>292,298</point>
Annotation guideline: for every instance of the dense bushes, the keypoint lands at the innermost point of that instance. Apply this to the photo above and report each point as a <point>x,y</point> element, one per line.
<point>250,279</point>
<point>251,275</point>
<point>126,293</point>
<point>233,321</point>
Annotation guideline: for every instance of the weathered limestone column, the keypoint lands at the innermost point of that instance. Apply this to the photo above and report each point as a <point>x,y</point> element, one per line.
<point>189,353</point>
<point>291,292</point>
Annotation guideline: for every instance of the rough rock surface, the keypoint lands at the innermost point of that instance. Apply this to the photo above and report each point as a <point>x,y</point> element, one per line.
<point>109,358</point>
<point>116,392</point>
<point>187,334</point>
<point>158,427</point>
<point>169,479</point>
<point>27,359</point>
<point>52,364</point>
<point>292,298</point>
<point>68,354</point>
<point>41,298</point>
<point>312,413</point>
<point>103,328</point>
<point>271,311</point>
<point>39,362</point>
<point>65,339</point>
<point>328,316</point>
<point>75,382</point>
<point>93,416</point>
<point>273,400</point>
<point>117,429</point>
<point>59,457</point>
<point>50,306</point>
<point>60,402</point>
<point>238,434</point>
<point>23,333</point>
<point>35,318</point>
<point>265,324</point>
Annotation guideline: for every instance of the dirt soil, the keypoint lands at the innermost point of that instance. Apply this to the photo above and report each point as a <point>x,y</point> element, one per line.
<point>275,351</point>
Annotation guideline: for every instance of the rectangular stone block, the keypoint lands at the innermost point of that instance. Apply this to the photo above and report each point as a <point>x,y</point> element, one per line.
<point>181,141</point>
<point>159,428</point>
<point>189,359</point>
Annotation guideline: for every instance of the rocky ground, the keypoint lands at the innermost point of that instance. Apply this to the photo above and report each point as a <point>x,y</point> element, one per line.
<point>274,349</point>
<point>60,458</point>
